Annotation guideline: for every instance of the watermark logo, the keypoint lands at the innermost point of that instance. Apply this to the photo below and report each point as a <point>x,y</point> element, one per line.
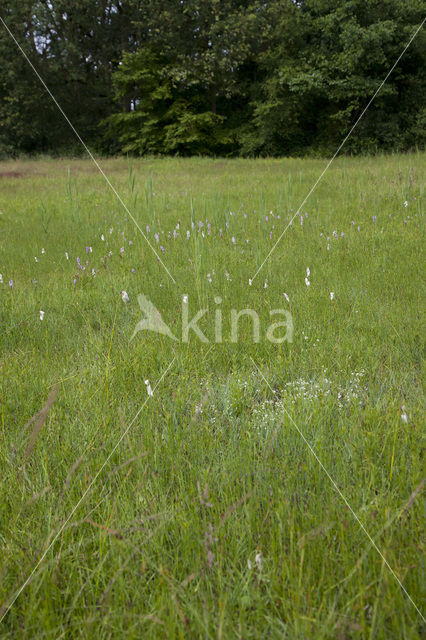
<point>152,320</point>
<point>276,332</point>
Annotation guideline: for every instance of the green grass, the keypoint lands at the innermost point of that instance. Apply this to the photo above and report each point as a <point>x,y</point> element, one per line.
<point>213,471</point>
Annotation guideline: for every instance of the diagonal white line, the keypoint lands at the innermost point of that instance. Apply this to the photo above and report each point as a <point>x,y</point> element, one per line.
<point>86,148</point>
<point>74,509</point>
<point>387,524</point>
<point>339,148</point>
<point>344,499</point>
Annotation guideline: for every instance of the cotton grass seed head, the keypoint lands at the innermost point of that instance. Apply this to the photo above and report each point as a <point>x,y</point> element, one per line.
<point>148,389</point>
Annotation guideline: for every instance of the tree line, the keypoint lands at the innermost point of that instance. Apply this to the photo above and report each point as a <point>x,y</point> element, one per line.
<point>212,77</point>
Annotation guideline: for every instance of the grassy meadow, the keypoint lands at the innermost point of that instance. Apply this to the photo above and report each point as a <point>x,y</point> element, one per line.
<point>212,517</point>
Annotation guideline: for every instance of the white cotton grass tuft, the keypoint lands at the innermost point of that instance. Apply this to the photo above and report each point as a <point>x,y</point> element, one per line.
<point>185,299</point>
<point>404,416</point>
<point>41,314</point>
<point>125,298</point>
<point>308,273</point>
<point>331,295</point>
<point>257,561</point>
<point>148,389</point>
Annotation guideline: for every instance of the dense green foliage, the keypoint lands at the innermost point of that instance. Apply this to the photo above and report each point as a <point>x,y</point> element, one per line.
<point>222,77</point>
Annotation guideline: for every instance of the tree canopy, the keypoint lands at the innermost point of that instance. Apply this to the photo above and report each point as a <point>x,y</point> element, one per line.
<point>216,77</point>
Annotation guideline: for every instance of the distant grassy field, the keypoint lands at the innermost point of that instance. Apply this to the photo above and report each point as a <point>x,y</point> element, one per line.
<point>209,516</point>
